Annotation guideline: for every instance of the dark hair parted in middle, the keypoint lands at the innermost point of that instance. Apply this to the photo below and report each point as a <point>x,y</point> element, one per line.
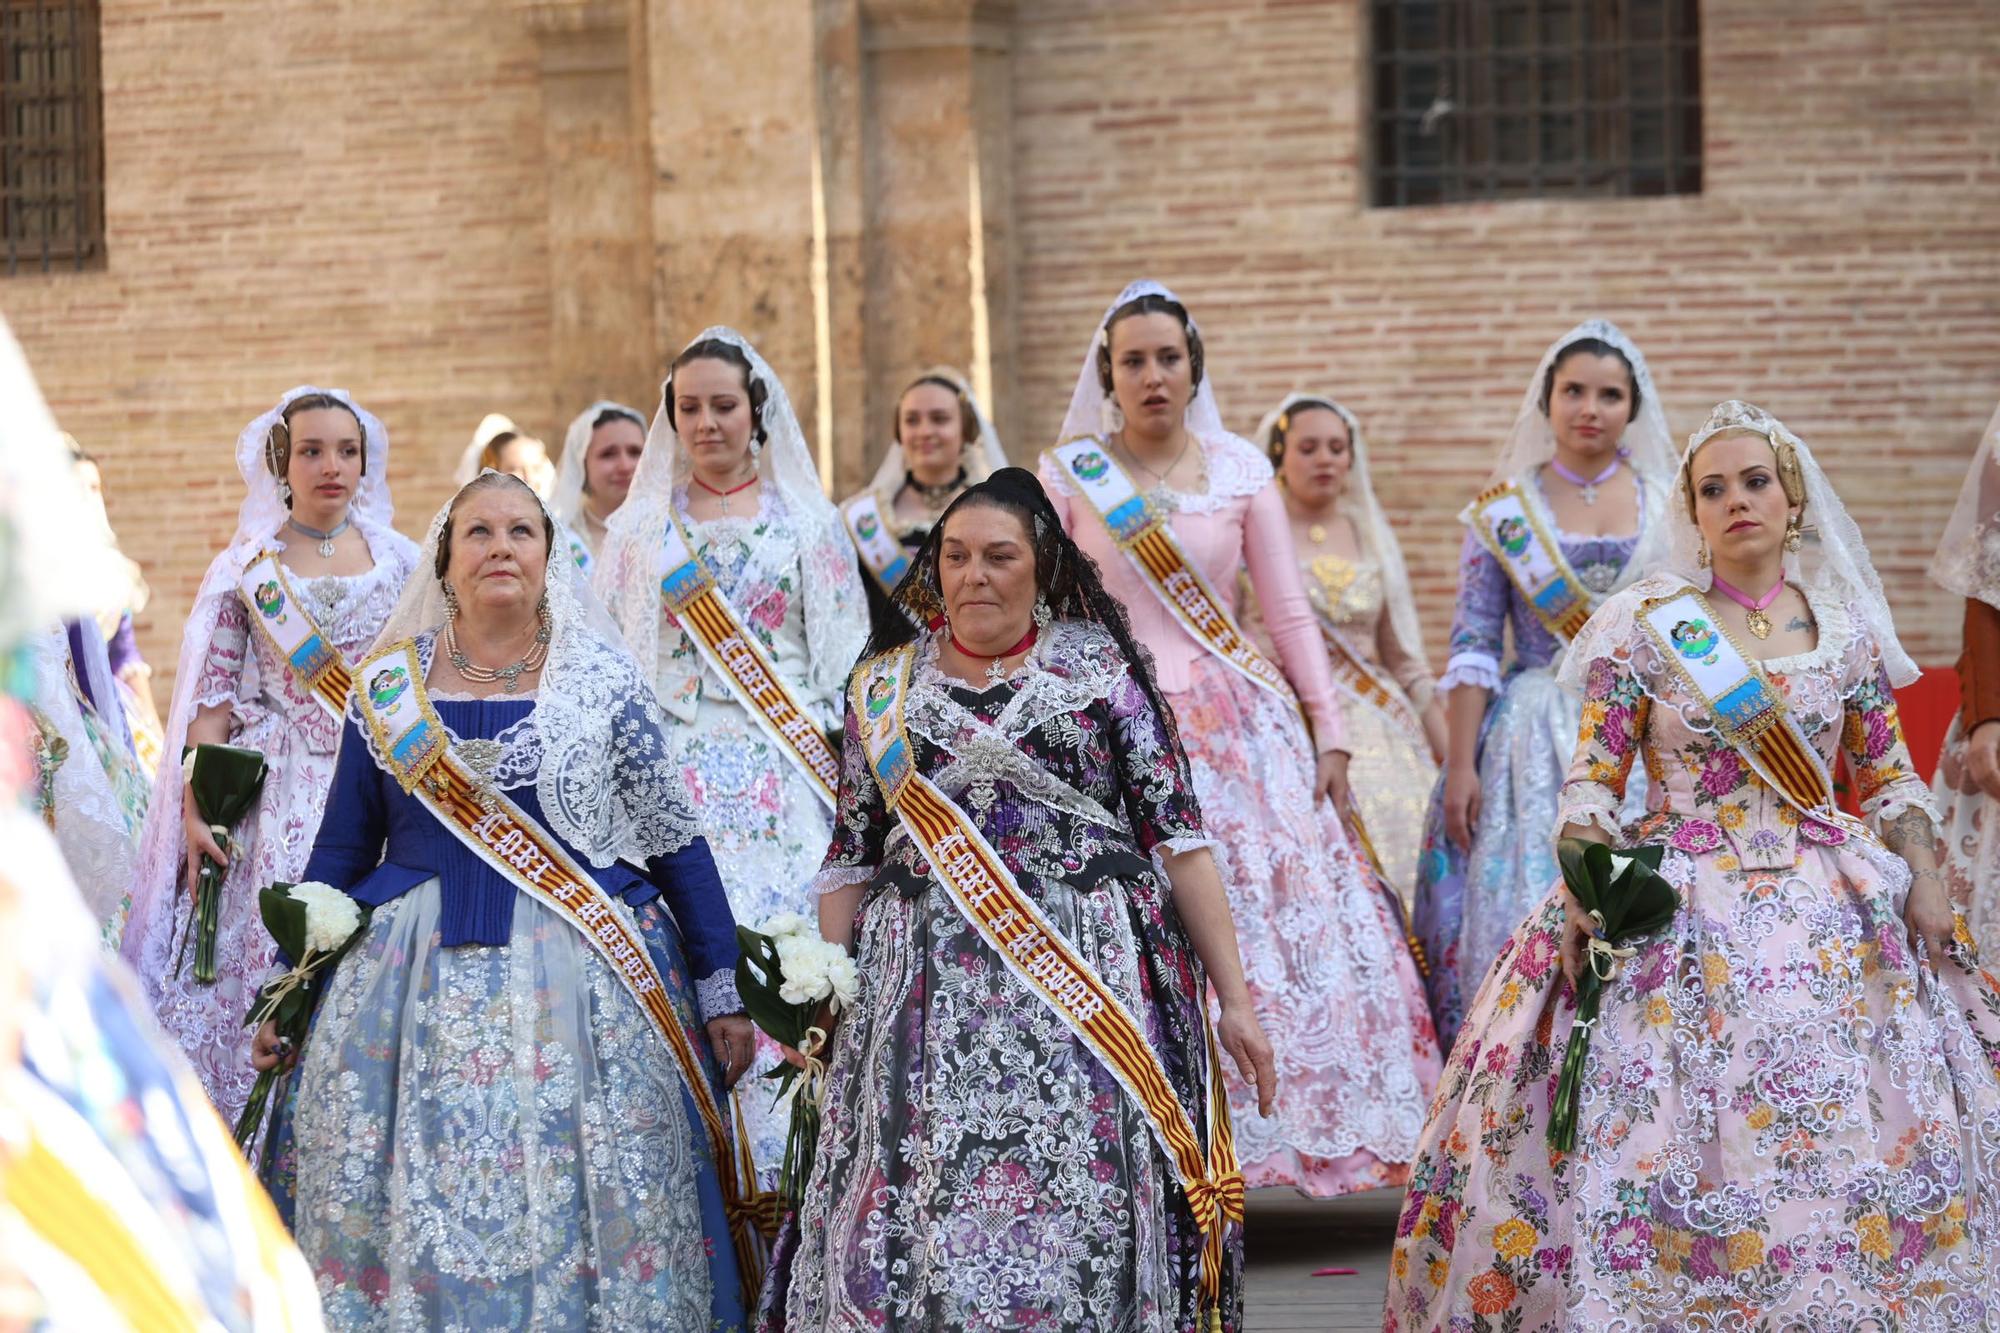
<point>1152,303</point>
<point>1591,347</point>
<point>719,349</point>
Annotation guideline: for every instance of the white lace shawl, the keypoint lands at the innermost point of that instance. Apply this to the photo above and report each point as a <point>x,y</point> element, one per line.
<point>828,581</point>
<point>595,737</point>
<point>1968,559</point>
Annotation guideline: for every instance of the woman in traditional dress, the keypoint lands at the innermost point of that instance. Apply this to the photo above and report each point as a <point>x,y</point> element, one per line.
<point>750,644</point>
<point>984,1161</point>
<point>1967,784</point>
<point>494,1126</point>
<point>499,445</point>
<point>1360,594</point>
<point>313,547</point>
<point>1790,1115</point>
<point>1145,456</point>
<point>600,455</point>
<point>1581,478</point>
<point>942,443</point>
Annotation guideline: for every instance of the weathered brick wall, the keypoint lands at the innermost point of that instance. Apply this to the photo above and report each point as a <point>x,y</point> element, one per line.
<point>1841,267</point>
<point>323,192</point>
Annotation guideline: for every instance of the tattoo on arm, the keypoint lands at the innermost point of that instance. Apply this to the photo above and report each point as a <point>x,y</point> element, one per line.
<point>1908,832</point>
<point>1799,623</point>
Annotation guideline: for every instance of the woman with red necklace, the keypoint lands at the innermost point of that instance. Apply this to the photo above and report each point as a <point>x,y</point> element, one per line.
<point>749,644</point>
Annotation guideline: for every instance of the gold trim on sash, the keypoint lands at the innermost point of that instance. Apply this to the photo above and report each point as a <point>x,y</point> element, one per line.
<point>1532,559</point>
<point>1037,954</point>
<point>506,839</point>
<point>868,529</point>
<point>1351,672</point>
<point>1750,713</point>
<point>1147,539</point>
<point>283,621</point>
<point>690,593</point>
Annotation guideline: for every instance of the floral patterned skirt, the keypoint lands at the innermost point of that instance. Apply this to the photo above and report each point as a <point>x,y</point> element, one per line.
<point>1329,967</point>
<point>978,1166</point>
<point>496,1137</point>
<point>1787,1122</point>
<point>1972,843</point>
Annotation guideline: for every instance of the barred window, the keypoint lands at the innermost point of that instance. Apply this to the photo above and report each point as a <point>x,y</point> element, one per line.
<point>51,136</point>
<point>1513,99</point>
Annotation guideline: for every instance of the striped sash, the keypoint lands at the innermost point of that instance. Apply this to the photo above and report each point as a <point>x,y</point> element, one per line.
<point>1353,674</point>
<point>406,728</point>
<point>689,591</point>
<point>1028,943</point>
<point>881,554</point>
<point>1147,540</point>
<point>283,620</point>
<point>1749,711</point>
<point>1514,532</point>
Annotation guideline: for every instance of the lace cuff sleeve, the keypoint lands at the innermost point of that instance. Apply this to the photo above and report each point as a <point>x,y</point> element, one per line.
<point>1481,670</point>
<point>715,995</point>
<point>835,878</point>
<point>1588,804</point>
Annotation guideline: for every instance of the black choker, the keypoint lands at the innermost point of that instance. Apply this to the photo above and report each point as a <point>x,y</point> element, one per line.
<point>935,496</point>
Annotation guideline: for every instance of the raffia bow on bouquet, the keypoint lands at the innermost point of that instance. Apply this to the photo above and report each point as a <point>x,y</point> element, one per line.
<point>785,975</point>
<point>223,781</point>
<point>314,924</point>
<point>1627,898</point>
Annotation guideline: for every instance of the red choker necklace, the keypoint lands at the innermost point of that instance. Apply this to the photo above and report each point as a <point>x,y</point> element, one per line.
<point>995,672</point>
<point>724,495</point>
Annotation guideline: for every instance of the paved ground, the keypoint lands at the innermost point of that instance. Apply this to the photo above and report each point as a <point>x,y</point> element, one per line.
<point>1287,1237</point>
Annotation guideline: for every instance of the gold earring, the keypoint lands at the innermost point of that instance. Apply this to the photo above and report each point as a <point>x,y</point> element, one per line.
<point>1701,557</point>
<point>1794,538</point>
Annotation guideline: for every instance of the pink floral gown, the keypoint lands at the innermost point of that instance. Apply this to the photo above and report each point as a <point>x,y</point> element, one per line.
<point>1788,1120</point>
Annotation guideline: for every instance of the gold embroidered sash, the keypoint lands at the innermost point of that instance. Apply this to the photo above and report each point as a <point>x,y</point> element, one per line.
<point>1028,943</point>
<point>288,627</point>
<point>1147,540</point>
<point>398,712</point>
<point>1353,673</point>
<point>1528,552</point>
<point>881,554</point>
<point>689,592</point>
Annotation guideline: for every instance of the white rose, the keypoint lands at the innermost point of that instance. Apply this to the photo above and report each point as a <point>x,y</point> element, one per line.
<point>187,765</point>
<point>1619,865</point>
<point>331,916</point>
<point>780,924</point>
<point>842,975</point>
<point>802,968</point>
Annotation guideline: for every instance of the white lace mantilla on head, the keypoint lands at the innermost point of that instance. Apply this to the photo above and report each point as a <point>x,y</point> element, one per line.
<point>603,772</point>
<point>1968,559</point>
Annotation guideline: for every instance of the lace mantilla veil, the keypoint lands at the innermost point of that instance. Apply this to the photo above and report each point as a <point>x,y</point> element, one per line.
<point>1361,506</point>
<point>1648,443</point>
<point>982,460</point>
<point>626,574</point>
<point>261,515</point>
<point>1968,559</point>
<point>1092,413</point>
<point>1832,562</point>
<point>566,498</point>
<point>594,741</point>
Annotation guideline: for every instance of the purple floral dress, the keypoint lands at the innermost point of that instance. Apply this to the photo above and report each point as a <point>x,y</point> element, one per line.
<point>978,1167</point>
<point>1788,1121</point>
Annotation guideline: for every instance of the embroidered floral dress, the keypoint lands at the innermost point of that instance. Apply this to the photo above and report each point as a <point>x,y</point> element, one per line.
<point>1468,904</point>
<point>978,1166</point>
<point>271,714</point>
<point>1788,1121</point>
<point>487,1131</point>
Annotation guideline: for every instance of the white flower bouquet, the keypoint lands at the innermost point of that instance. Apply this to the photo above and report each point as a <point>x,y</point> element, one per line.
<point>314,925</point>
<point>786,976</point>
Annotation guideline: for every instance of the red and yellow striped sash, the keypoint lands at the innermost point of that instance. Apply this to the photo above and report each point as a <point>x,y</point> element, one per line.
<point>282,619</point>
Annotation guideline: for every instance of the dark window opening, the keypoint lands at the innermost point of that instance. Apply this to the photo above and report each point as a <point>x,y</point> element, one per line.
<point>51,136</point>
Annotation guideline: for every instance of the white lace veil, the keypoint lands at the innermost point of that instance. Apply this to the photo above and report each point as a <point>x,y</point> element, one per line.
<point>1362,507</point>
<point>490,425</point>
<point>258,520</point>
<point>1092,412</point>
<point>566,500</point>
<point>626,576</point>
<point>1968,559</point>
<point>1833,559</point>
<point>606,783</point>
<point>1648,443</point>
<point>982,459</point>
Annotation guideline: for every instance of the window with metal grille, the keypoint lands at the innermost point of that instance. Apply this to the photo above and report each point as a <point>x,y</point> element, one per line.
<point>51,136</point>
<point>1513,99</point>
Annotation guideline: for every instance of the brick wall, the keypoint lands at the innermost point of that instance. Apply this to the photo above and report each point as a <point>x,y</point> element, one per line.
<point>1841,267</point>
<point>321,192</point>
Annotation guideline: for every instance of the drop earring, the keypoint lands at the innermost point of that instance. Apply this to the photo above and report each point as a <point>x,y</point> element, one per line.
<point>1111,417</point>
<point>1794,537</point>
<point>1043,616</point>
<point>1701,558</point>
<point>450,602</point>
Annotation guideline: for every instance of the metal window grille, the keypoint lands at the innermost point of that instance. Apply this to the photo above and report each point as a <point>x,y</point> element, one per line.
<point>51,136</point>
<point>1512,99</point>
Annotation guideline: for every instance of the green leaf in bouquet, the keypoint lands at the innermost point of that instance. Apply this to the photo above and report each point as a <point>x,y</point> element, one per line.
<point>225,782</point>
<point>758,977</point>
<point>284,917</point>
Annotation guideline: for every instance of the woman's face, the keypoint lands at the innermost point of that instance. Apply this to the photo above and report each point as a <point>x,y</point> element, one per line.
<point>1739,503</point>
<point>712,416</point>
<point>933,432</point>
<point>610,459</point>
<point>499,551</point>
<point>986,568</point>
<point>325,466</point>
<point>1590,402</point>
<point>1318,455</point>
<point>1151,376</point>
<point>524,456</point>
